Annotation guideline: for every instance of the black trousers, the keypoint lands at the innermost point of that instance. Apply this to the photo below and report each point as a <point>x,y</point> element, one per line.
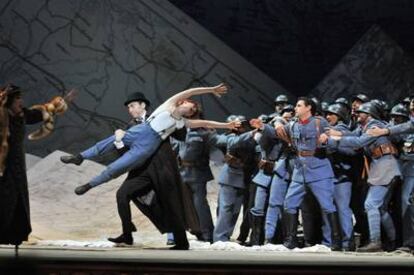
<point>130,189</point>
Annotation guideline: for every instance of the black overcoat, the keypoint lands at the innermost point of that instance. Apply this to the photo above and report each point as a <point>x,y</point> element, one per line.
<point>14,195</point>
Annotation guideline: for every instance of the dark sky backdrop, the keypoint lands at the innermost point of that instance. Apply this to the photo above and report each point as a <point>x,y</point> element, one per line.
<point>297,42</point>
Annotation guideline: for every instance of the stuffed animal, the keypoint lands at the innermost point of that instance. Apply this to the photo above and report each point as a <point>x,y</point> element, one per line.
<point>56,106</point>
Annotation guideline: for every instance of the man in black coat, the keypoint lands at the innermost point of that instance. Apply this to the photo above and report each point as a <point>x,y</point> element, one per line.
<point>14,196</point>
<point>156,188</point>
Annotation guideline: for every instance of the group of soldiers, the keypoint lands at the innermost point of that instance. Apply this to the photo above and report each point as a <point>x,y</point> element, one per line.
<point>340,170</point>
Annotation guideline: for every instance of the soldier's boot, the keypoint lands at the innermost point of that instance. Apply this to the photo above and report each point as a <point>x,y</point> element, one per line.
<point>390,246</point>
<point>257,235</point>
<point>336,231</point>
<point>373,246</point>
<point>290,222</point>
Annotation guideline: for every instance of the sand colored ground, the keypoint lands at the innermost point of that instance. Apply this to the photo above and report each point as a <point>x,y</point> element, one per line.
<point>57,213</point>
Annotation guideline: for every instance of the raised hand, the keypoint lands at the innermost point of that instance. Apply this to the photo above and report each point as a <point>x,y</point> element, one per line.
<point>281,132</point>
<point>323,138</point>
<point>220,90</point>
<point>256,123</point>
<point>333,133</point>
<point>119,135</point>
<point>234,125</point>
<point>376,132</point>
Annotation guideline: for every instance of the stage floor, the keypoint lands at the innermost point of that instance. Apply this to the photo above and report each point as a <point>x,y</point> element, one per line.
<point>126,260</point>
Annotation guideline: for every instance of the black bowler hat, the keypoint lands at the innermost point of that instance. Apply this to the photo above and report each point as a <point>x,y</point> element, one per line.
<point>137,97</point>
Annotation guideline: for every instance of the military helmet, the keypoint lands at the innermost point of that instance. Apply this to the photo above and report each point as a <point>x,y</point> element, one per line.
<point>400,110</point>
<point>324,106</point>
<point>370,108</point>
<point>231,118</point>
<point>406,100</point>
<point>343,101</point>
<point>240,118</point>
<point>361,97</point>
<point>282,98</point>
<point>318,107</point>
<point>264,118</point>
<point>338,109</point>
<point>287,108</point>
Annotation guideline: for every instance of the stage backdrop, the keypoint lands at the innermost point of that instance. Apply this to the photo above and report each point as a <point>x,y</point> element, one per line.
<point>108,49</point>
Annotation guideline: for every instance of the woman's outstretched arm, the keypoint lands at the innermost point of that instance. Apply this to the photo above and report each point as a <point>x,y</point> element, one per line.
<point>200,123</point>
<point>218,90</point>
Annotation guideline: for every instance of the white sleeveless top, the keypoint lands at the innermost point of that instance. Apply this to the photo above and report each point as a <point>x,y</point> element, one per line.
<point>162,122</point>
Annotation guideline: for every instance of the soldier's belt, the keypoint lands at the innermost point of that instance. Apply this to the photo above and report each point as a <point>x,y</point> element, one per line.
<point>233,161</point>
<point>267,166</point>
<point>383,149</point>
<point>319,153</point>
<point>306,153</point>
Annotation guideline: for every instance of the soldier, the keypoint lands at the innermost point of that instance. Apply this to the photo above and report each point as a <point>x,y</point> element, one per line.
<point>383,173</point>
<point>282,174</point>
<point>270,149</point>
<point>280,102</point>
<point>194,157</point>
<point>240,151</point>
<point>344,102</point>
<point>356,101</point>
<point>400,114</point>
<point>312,169</point>
<point>341,162</point>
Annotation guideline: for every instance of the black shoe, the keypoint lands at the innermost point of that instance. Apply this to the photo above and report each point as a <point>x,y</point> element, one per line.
<point>124,238</point>
<point>181,242</point>
<point>180,247</point>
<point>74,159</point>
<point>80,190</point>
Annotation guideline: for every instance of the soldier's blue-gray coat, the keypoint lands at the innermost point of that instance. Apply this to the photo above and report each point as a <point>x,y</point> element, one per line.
<point>304,137</point>
<point>383,169</point>
<point>241,146</point>
<point>196,150</point>
<point>270,150</point>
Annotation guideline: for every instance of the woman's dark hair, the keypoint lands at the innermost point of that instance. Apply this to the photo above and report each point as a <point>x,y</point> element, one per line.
<point>198,111</point>
<point>307,101</point>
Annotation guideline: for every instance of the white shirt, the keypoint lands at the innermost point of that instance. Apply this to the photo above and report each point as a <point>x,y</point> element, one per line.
<point>162,121</point>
